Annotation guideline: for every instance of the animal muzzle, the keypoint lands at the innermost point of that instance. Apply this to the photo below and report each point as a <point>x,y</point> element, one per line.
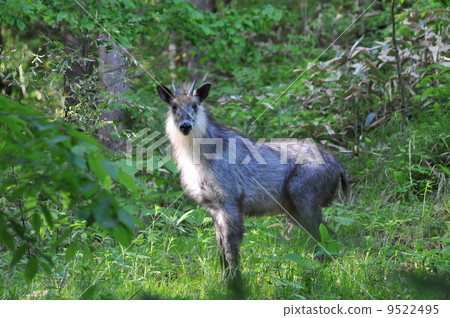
<point>185,128</point>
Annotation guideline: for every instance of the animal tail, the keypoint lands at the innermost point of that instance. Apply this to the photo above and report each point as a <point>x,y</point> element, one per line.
<point>344,181</point>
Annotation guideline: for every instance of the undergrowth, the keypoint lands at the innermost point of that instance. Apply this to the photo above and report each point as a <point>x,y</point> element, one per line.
<point>79,222</point>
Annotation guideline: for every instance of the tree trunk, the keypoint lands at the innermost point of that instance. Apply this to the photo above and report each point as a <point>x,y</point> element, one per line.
<point>205,4</point>
<point>113,68</point>
<point>80,67</point>
<point>193,62</point>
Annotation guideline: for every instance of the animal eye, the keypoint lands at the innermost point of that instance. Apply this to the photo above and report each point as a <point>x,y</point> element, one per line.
<point>194,106</point>
<point>174,108</point>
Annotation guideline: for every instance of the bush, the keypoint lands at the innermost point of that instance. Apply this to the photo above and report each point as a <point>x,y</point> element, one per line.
<point>52,176</point>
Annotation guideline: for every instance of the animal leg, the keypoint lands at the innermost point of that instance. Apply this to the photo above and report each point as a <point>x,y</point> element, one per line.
<point>229,232</point>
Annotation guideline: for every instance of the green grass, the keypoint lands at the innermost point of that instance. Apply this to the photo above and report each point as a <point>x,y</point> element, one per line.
<point>393,230</point>
<point>389,251</point>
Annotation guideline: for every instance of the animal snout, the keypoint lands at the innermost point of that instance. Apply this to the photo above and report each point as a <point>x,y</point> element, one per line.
<point>185,128</point>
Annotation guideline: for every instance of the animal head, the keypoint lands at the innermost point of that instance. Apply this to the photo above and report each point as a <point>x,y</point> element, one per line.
<point>186,111</point>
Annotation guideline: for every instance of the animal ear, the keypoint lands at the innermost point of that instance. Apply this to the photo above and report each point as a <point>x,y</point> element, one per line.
<point>165,93</point>
<point>203,91</point>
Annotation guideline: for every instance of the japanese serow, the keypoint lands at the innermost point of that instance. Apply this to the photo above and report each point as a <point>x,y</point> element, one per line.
<point>232,176</point>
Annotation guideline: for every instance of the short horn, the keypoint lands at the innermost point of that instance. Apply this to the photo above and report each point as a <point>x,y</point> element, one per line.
<point>175,89</point>
<point>191,91</point>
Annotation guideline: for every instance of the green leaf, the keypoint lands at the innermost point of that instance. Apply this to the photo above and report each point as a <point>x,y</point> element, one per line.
<point>89,293</point>
<point>110,168</point>
<point>89,189</point>
<point>20,24</point>
<point>324,236</point>
<point>48,217</point>
<point>273,13</point>
<point>102,213</point>
<point>31,199</point>
<point>61,16</point>
<point>184,216</point>
<point>79,161</point>
<point>82,213</point>
<point>445,169</point>
<point>333,248</point>
<point>96,167</point>
<point>88,25</point>
<point>124,42</point>
<point>122,234</point>
<point>127,181</point>
<point>125,218</point>
<point>303,262</point>
<point>88,141</point>
<point>46,267</point>
<point>170,165</point>
<point>78,150</point>
<point>7,239</point>
<point>65,199</point>
<point>285,282</point>
<point>31,269</point>
<point>87,255</point>
<point>42,126</point>
<point>71,251</point>
<point>123,165</point>
<point>18,254</point>
<point>36,222</point>
<point>57,139</point>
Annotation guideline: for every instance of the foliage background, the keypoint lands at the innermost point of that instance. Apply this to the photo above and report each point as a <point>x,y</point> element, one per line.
<point>77,81</point>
